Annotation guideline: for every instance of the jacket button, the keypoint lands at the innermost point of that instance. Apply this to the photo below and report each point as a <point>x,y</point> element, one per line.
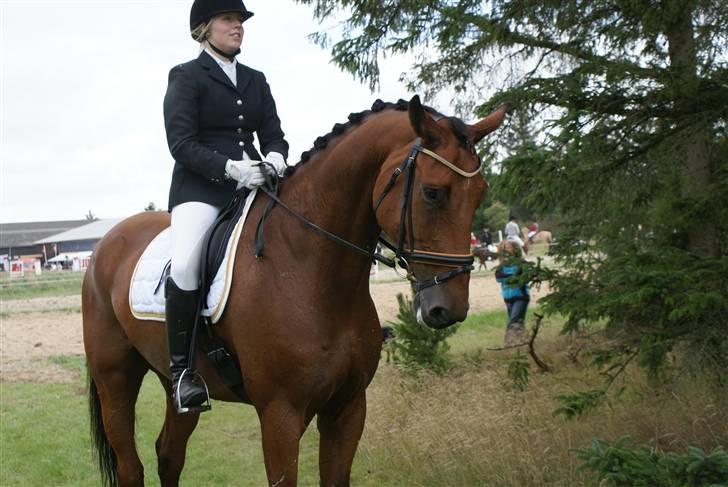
<point>240,143</point>
<point>240,117</point>
<point>240,131</point>
<point>239,102</point>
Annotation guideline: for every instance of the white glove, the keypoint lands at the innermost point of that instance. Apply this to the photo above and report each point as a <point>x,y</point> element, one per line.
<point>276,160</point>
<point>247,173</point>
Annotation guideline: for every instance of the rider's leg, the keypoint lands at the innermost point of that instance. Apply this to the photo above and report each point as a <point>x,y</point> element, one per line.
<point>190,222</point>
<point>517,240</point>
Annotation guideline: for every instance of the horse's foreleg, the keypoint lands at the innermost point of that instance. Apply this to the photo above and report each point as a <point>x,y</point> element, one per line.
<point>340,434</point>
<point>282,427</point>
<point>171,444</point>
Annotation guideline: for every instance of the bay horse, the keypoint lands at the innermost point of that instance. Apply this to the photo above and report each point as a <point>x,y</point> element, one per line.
<point>483,254</point>
<point>304,331</point>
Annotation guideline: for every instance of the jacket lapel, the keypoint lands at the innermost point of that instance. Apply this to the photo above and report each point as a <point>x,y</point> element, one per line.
<point>215,71</point>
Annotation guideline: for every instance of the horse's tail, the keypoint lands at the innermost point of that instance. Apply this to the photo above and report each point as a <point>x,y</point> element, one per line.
<point>104,452</point>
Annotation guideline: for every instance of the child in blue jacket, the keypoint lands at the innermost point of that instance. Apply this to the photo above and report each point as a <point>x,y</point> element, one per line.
<point>515,295</point>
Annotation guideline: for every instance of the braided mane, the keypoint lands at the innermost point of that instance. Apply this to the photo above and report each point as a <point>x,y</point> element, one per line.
<point>355,119</point>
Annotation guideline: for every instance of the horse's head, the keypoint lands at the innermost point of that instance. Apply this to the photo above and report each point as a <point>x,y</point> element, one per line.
<point>438,186</point>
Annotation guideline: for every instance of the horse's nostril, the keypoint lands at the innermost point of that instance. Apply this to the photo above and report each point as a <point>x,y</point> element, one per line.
<point>439,314</point>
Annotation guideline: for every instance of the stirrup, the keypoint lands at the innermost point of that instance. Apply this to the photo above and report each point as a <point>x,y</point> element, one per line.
<point>205,406</point>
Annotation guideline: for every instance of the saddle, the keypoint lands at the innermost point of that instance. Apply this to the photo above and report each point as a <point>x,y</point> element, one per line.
<point>216,242</point>
<point>213,254</point>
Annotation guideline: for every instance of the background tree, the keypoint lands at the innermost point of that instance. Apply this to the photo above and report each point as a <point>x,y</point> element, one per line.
<point>493,213</point>
<point>90,216</point>
<point>151,207</point>
<point>416,347</point>
<point>495,217</point>
<point>629,102</point>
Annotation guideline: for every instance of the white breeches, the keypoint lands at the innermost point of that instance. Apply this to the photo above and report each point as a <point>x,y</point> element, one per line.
<point>515,239</point>
<point>190,223</point>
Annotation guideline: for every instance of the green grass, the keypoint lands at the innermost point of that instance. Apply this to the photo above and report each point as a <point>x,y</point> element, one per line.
<point>47,284</point>
<point>45,439</point>
<point>466,428</point>
<point>480,330</point>
<point>45,432</point>
<point>74,363</point>
<point>487,329</point>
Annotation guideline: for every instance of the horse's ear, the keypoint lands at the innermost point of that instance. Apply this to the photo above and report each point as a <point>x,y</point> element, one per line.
<point>425,127</point>
<point>489,123</point>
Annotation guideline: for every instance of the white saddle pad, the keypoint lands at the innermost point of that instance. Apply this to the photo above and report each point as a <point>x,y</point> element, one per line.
<point>146,295</point>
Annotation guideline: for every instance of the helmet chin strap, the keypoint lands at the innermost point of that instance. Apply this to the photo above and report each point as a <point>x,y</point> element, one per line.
<point>229,56</point>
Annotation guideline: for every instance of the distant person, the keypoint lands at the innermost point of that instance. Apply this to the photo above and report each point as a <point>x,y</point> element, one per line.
<point>513,232</point>
<point>532,231</point>
<point>213,107</point>
<point>486,237</point>
<point>515,295</point>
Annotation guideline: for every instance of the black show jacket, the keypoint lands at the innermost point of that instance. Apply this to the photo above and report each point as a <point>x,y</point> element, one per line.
<point>209,120</point>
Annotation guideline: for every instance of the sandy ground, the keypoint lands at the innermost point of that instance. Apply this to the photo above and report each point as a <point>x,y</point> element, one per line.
<point>33,330</point>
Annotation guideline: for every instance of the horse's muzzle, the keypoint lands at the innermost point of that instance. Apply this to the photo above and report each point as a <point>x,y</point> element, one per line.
<point>433,310</point>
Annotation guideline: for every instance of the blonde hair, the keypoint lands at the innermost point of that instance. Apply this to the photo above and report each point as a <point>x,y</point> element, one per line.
<point>202,31</point>
<point>508,249</point>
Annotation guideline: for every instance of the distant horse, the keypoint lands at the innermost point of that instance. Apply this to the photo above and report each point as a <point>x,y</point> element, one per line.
<point>483,254</point>
<point>541,237</point>
<point>300,321</point>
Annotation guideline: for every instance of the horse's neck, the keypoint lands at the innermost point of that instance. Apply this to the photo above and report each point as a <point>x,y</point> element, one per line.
<point>334,190</point>
<point>337,184</point>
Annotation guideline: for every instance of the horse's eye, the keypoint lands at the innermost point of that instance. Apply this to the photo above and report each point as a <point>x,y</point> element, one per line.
<point>434,197</point>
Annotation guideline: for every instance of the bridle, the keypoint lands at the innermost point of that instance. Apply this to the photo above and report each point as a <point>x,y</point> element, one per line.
<point>405,257</point>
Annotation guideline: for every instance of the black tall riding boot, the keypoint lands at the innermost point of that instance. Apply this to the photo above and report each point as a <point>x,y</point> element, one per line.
<point>189,392</point>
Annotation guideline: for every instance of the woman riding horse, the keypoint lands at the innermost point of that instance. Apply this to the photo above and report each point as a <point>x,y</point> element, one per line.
<point>304,332</point>
<point>212,107</point>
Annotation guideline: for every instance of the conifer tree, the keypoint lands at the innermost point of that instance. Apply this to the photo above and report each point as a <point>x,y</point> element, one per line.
<point>416,346</point>
<point>628,101</point>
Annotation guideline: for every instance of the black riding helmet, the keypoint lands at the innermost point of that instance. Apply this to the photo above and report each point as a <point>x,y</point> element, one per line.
<point>204,10</point>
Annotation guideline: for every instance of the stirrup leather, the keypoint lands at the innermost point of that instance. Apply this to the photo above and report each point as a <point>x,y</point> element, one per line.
<point>205,406</point>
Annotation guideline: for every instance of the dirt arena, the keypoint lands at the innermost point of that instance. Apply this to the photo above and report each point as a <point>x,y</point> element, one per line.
<point>34,330</point>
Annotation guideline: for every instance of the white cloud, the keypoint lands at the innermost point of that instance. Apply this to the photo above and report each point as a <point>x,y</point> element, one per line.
<point>81,90</point>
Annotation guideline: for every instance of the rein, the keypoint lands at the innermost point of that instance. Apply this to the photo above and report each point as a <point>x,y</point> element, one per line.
<point>462,263</point>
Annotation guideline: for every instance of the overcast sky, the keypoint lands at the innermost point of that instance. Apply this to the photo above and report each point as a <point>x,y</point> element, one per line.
<point>81,90</point>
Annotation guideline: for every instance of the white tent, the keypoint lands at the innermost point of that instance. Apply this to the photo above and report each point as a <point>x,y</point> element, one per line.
<point>69,256</point>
